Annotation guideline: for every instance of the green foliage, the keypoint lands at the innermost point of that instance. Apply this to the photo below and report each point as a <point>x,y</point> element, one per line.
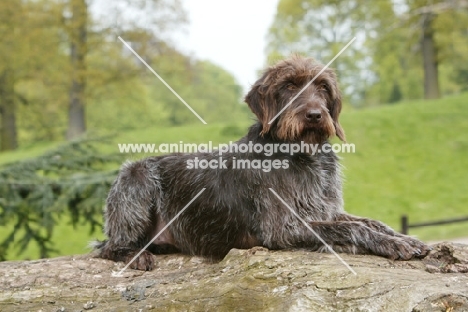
<point>25,29</point>
<point>37,57</point>
<point>217,93</point>
<point>123,94</point>
<point>211,91</point>
<point>71,180</point>
<point>384,64</point>
<point>146,102</point>
<point>397,49</point>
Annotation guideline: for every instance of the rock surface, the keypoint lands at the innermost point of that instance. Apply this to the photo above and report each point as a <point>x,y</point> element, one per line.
<point>246,280</point>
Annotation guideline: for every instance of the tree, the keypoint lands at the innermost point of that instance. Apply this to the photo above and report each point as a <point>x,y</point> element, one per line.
<point>69,71</point>
<point>78,33</point>
<point>396,69</point>
<point>399,44</point>
<point>430,59</point>
<point>210,90</point>
<point>218,91</point>
<point>24,53</point>
<point>10,16</point>
<point>435,22</point>
<point>70,180</point>
<point>8,135</point>
<point>164,15</point>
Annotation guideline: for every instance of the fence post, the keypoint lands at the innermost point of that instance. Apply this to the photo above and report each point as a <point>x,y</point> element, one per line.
<point>404,224</point>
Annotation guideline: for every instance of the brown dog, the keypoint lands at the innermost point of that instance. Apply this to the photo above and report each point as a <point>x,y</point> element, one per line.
<point>237,208</point>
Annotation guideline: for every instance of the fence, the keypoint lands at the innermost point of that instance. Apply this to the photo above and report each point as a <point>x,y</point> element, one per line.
<point>405,226</point>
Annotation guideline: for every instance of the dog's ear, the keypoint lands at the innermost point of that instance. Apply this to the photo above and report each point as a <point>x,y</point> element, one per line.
<point>335,113</point>
<point>256,99</point>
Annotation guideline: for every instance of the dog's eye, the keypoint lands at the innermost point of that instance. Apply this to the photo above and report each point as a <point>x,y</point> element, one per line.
<point>323,87</point>
<point>291,86</point>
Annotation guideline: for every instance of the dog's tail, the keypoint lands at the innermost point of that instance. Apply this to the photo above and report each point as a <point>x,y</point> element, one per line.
<point>97,247</point>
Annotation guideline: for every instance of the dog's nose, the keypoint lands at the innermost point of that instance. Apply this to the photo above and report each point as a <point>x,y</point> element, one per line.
<point>314,115</point>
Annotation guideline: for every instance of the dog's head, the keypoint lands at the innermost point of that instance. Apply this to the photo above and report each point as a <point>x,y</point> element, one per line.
<point>312,116</point>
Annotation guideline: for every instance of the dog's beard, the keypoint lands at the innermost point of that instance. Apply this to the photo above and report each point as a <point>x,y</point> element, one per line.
<point>292,128</point>
<point>314,136</point>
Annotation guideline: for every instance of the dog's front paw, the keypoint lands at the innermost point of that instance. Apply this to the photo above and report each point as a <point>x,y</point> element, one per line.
<point>418,245</point>
<point>403,248</point>
<point>144,262</point>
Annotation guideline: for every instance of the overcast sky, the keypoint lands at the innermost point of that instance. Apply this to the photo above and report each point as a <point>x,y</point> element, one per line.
<point>230,34</point>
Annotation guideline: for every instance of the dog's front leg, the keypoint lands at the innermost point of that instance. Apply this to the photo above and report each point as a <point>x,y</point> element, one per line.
<point>373,224</point>
<point>356,237</point>
<point>385,229</point>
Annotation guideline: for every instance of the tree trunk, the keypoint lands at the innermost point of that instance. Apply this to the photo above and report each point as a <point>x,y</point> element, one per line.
<point>246,280</point>
<point>429,52</point>
<point>78,50</point>
<point>8,136</point>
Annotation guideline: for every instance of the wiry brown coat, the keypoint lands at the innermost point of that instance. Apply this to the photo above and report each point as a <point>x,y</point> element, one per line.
<point>237,209</point>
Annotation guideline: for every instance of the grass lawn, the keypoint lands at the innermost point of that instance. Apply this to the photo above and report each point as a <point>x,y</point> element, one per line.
<point>411,158</point>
